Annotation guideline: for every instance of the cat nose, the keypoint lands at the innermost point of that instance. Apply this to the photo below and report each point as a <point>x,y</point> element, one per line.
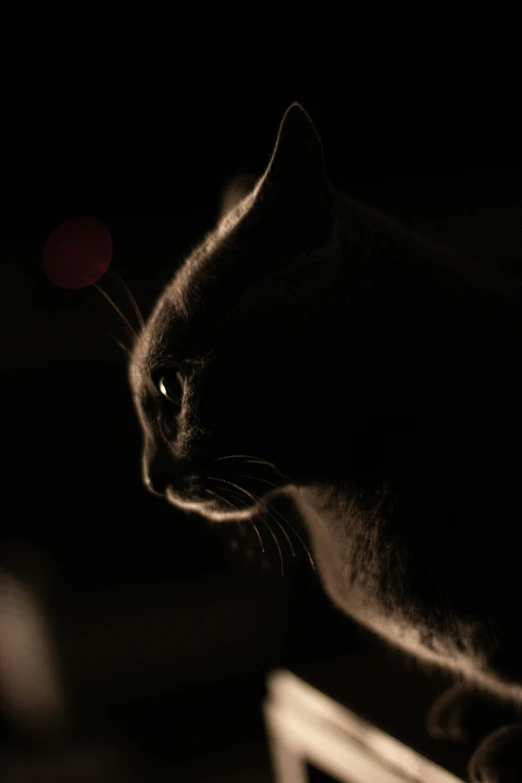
<point>155,484</point>
<point>157,474</point>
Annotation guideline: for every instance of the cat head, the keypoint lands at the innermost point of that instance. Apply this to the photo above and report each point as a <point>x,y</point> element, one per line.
<point>238,375</point>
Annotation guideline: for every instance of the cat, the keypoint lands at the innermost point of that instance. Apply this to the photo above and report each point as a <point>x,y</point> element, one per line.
<point>311,346</point>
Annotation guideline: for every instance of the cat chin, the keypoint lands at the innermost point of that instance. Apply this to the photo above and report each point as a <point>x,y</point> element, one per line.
<point>230,516</point>
<point>208,509</point>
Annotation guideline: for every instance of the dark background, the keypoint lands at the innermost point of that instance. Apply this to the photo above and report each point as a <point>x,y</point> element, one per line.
<point>164,626</point>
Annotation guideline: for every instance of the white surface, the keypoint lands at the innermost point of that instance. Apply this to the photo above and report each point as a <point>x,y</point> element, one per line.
<point>306,726</point>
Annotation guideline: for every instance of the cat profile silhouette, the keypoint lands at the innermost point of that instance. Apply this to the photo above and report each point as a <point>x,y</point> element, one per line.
<point>310,345</point>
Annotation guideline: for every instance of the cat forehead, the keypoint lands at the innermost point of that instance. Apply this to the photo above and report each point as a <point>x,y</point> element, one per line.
<point>212,258</point>
<point>184,304</point>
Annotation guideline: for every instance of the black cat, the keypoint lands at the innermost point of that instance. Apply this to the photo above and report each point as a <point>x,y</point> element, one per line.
<point>312,346</point>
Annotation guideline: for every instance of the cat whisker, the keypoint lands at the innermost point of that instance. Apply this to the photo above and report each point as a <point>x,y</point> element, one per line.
<point>280,526</point>
<point>265,481</point>
<point>259,537</point>
<point>241,456</point>
<point>230,456</point>
<point>276,470</point>
<point>256,500</point>
<point>264,521</point>
<point>214,478</point>
<point>130,297</point>
<point>236,486</point>
<point>281,516</point>
<point>229,502</point>
<point>274,510</point>
<point>220,497</point>
<point>121,345</point>
<point>296,534</point>
<point>262,480</point>
<point>271,509</point>
<point>258,461</point>
<point>248,458</point>
<point>116,308</point>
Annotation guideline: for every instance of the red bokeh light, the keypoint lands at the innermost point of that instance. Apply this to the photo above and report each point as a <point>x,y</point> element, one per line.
<point>77,252</point>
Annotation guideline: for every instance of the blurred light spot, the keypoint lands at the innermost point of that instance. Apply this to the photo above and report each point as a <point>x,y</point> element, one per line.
<point>77,252</point>
<point>29,686</point>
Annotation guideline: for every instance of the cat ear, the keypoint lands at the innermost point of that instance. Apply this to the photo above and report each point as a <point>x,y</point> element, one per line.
<point>294,190</point>
<point>298,157</point>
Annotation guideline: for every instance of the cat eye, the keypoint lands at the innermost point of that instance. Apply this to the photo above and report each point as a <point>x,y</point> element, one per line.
<point>171,387</point>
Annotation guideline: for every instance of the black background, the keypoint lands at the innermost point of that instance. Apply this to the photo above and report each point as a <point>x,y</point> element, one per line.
<point>164,628</point>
